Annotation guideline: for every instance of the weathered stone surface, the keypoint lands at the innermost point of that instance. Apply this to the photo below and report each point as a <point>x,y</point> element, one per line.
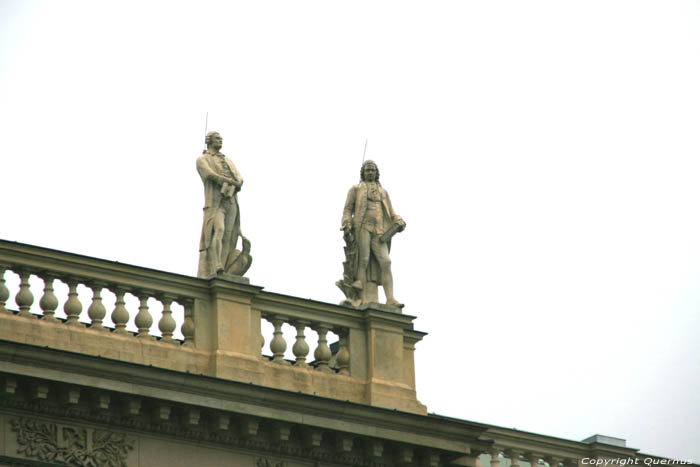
<point>70,444</point>
<point>223,331</point>
<point>206,421</point>
<point>215,400</point>
<point>222,219</point>
<point>369,221</point>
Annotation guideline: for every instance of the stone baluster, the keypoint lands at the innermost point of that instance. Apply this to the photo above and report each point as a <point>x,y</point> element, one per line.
<point>514,457</point>
<point>188,324</point>
<point>495,457</point>
<point>167,323</point>
<point>73,307</point>
<point>97,310</point>
<point>323,352</point>
<point>4,291</point>
<point>120,315</point>
<point>278,345</point>
<point>533,459</point>
<point>300,347</point>
<point>48,302</point>
<point>143,319</point>
<point>553,461</point>
<point>343,356</point>
<point>24,297</point>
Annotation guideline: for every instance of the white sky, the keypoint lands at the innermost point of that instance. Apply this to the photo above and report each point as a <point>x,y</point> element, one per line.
<point>544,155</point>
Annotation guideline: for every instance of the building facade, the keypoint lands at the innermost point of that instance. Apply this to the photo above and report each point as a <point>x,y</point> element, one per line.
<point>76,392</point>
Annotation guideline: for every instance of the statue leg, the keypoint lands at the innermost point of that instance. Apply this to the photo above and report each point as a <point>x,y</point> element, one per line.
<point>381,252</point>
<point>363,250</point>
<point>230,238</point>
<point>215,249</point>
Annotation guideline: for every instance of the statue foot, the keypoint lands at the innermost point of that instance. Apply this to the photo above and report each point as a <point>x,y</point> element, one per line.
<point>357,285</point>
<point>394,302</point>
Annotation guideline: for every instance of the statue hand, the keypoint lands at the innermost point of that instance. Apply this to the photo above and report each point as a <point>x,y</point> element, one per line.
<point>402,225</point>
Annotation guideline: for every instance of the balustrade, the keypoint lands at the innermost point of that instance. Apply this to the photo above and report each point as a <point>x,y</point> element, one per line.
<point>221,321</point>
<point>96,311</point>
<point>516,457</point>
<point>322,354</point>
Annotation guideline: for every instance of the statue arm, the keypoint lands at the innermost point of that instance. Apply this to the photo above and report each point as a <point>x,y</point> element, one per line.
<point>237,179</point>
<point>349,208</point>
<point>395,218</point>
<point>207,173</point>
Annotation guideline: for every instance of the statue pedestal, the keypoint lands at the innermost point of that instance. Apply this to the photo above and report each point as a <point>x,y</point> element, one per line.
<point>229,277</point>
<point>371,299</point>
<point>380,306</point>
<point>233,278</point>
<point>371,292</point>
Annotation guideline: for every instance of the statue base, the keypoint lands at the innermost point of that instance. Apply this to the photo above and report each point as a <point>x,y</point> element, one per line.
<point>370,300</point>
<point>229,277</point>
<point>380,307</point>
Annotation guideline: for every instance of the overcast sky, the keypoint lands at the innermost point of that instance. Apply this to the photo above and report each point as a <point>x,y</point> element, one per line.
<point>544,155</point>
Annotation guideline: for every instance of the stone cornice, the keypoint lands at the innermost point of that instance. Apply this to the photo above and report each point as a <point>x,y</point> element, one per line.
<point>524,441</point>
<point>247,399</point>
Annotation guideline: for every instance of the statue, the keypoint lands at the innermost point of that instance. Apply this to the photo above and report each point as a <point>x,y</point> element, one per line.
<point>222,221</point>
<point>369,222</point>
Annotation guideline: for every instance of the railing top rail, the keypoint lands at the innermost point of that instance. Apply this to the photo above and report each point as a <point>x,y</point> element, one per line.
<point>87,268</point>
<point>271,303</point>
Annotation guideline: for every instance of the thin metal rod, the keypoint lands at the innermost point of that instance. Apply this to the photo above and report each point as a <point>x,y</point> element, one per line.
<point>206,125</point>
<point>365,152</point>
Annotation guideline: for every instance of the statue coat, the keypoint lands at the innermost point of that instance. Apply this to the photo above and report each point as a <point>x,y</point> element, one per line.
<point>218,209</point>
<point>354,213</point>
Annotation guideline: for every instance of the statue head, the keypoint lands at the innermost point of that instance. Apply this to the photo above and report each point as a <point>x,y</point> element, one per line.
<point>369,172</point>
<point>213,140</point>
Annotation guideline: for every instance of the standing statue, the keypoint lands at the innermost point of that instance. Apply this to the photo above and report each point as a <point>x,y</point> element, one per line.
<point>222,220</point>
<point>369,222</point>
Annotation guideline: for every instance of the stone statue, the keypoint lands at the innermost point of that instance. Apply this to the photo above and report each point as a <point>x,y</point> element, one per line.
<point>369,222</point>
<point>222,221</point>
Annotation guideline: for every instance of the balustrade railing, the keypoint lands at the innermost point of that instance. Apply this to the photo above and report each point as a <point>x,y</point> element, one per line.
<point>96,311</point>
<point>500,457</point>
<point>221,325</point>
<point>324,359</point>
<point>157,294</point>
<point>513,448</point>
